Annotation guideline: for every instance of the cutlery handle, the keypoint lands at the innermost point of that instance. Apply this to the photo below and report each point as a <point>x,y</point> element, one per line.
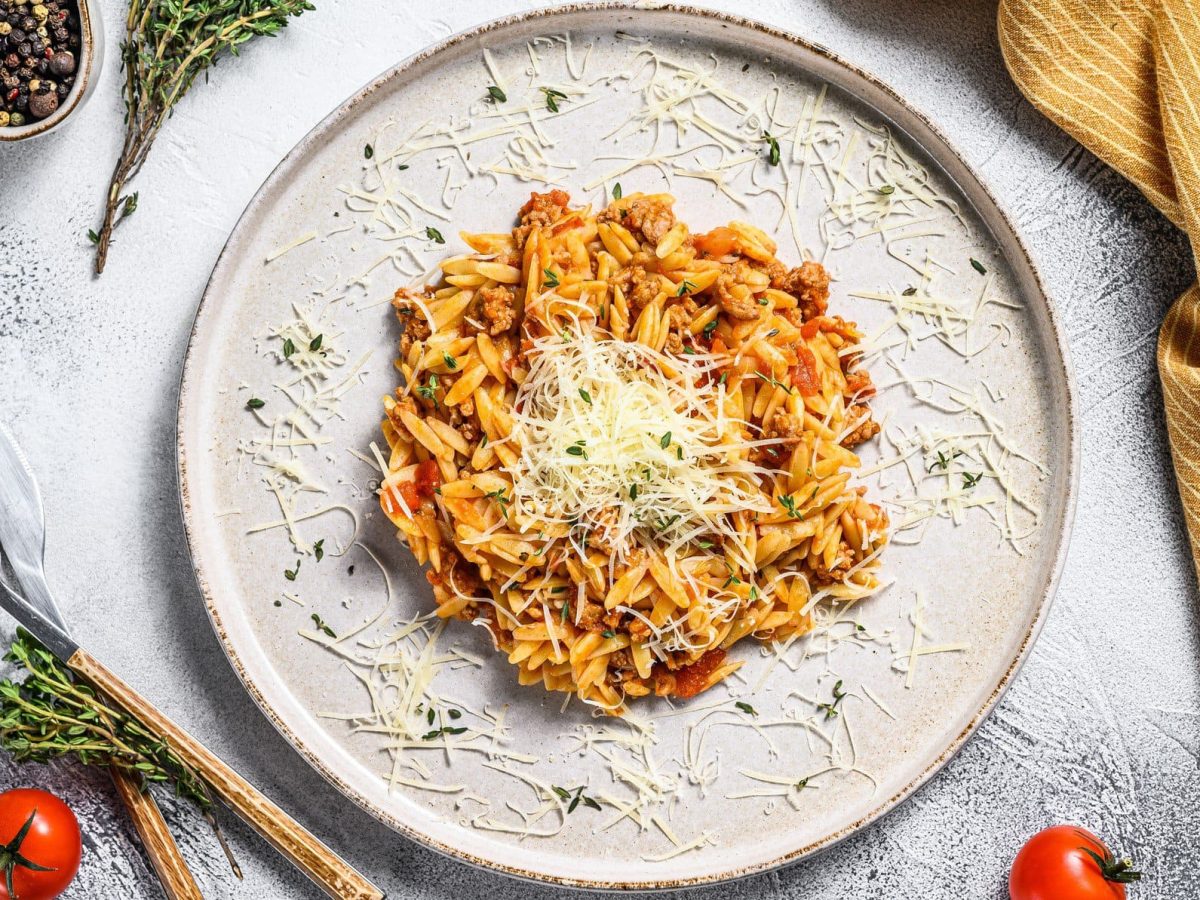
<point>329,871</point>
<point>173,873</point>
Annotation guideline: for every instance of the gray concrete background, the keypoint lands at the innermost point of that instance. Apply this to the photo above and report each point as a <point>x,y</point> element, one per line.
<point>1102,728</point>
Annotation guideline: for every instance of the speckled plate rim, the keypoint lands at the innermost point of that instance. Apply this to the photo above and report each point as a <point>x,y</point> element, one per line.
<point>939,148</point>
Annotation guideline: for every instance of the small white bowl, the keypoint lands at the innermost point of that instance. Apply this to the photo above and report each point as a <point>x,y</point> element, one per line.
<point>91,58</point>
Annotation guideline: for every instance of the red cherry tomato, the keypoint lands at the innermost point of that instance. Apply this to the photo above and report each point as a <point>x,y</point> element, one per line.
<point>41,862</point>
<point>1068,863</point>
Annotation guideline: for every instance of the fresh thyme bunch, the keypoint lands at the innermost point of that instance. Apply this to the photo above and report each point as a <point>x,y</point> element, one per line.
<point>167,44</point>
<point>51,714</point>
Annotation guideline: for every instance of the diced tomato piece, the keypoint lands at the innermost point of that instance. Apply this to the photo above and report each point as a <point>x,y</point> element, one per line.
<point>721,241</point>
<point>566,225</point>
<point>809,329</point>
<point>427,479</point>
<point>391,499</point>
<point>691,680</point>
<point>804,373</point>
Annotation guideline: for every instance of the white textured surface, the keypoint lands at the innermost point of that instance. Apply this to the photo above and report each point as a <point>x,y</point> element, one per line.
<point>1103,725</point>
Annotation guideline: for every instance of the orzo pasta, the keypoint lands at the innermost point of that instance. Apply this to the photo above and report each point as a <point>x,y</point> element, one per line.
<point>623,447</point>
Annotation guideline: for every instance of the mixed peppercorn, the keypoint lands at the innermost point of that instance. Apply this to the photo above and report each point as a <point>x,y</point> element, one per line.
<point>39,47</point>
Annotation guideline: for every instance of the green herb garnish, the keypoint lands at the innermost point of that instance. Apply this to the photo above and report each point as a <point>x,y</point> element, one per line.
<point>496,95</point>
<point>290,574</point>
<point>255,403</point>
<point>746,708</point>
<point>978,266</point>
<point>552,98</point>
<point>429,390</point>
<point>368,151</point>
<point>788,502</point>
<point>450,361</point>
<point>943,461</point>
<point>321,626</point>
<point>574,799</point>
<point>769,380</point>
<point>831,708</point>
<point>550,280</point>
<point>434,235</point>
<point>773,149</point>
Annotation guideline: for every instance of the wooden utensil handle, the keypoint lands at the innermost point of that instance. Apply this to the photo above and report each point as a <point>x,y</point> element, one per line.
<point>329,871</point>
<point>173,873</point>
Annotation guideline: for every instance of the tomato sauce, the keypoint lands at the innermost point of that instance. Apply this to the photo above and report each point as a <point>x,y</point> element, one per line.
<point>720,241</point>
<point>804,373</point>
<point>691,680</point>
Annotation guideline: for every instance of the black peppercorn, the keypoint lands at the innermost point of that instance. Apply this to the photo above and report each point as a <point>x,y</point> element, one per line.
<point>43,104</point>
<point>62,62</point>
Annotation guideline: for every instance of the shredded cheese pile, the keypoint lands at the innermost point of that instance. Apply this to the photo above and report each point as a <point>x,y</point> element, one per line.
<point>603,428</point>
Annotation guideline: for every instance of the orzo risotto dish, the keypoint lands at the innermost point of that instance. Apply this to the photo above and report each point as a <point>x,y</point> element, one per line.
<point>623,447</point>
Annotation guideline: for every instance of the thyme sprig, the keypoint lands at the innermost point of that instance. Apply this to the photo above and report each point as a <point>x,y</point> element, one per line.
<point>51,714</point>
<point>168,44</point>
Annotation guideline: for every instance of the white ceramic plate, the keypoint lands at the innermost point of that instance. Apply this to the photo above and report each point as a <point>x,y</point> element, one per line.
<point>977,591</point>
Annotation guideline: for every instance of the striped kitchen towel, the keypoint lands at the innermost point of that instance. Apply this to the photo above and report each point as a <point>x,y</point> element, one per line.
<point>1123,78</point>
